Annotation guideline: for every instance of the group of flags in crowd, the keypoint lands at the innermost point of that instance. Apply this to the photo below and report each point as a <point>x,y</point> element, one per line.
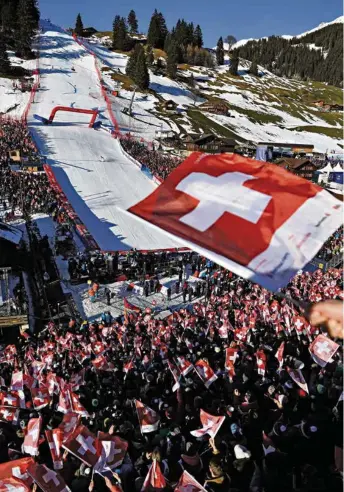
<point>105,452</point>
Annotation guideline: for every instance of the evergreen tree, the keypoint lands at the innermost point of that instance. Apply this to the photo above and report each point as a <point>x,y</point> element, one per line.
<point>141,77</point>
<point>153,30</point>
<point>119,36</point>
<point>172,60</point>
<point>115,25</point>
<point>79,27</point>
<point>233,69</point>
<point>220,55</point>
<point>198,37</point>
<point>25,32</point>
<point>253,69</point>
<point>131,65</point>
<point>157,30</point>
<point>132,22</point>
<point>150,56</point>
<point>5,66</point>
<point>168,41</point>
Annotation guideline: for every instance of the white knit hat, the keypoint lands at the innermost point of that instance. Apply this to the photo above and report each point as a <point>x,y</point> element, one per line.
<point>241,452</point>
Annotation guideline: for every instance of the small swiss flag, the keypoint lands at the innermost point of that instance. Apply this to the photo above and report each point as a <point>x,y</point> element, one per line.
<point>215,203</point>
<point>323,349</point>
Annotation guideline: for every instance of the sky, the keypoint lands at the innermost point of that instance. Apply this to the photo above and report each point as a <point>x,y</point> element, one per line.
<point>243,19</point>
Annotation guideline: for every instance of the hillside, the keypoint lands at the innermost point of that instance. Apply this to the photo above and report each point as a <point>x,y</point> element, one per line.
<point>313,55</point>
<point>264,108</point>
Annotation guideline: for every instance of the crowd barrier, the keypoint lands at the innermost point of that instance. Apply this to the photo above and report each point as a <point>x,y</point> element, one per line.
<point>85,236</point>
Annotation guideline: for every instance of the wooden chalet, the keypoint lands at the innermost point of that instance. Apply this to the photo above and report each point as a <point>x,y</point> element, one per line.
<point>304,168</point>
<point>210,143</point>
<point>215,107</point>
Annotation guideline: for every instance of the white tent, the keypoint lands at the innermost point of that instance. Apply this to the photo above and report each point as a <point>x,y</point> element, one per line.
<point>324,173</point>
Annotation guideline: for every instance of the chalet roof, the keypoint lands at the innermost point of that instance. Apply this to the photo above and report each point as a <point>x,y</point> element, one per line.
<point>293,163</point>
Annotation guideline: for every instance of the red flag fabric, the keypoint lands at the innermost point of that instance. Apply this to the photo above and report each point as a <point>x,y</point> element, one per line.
<point>261,362</point>
<point>31,440</point>
<point>40,397</point>
<point>211,425</point>
<point>148,418</point>
<point>102,364</point>
<point>279,354</point>
<point>68,425</point>
<point>214,203</point>
<point>205,372</point>
<point>12,484</point>
<point>48,480</point>
<point>323,349</point>
<point>83,444</point>
<point>65,402</point>
<point>54,439</point>
<point>131,307</point>
<point>9,414</point>
<point>187,483</point>
<point>113,450</point>
<point>297,376</point>
<point>154,480</point>
<point>184,365</point>
<point>231,356</point>
<point>77,407</point>
<point>17,469</point>
<point>17,381</point>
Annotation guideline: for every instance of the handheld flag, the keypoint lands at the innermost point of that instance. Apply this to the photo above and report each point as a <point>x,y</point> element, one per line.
<point>214,203</point>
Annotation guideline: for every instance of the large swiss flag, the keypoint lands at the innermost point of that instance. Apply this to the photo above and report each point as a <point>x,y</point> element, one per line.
<point>253,218</point>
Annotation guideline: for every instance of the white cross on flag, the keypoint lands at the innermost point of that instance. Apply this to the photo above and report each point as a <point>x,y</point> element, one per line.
<point>54,439</point>
<point>279,355</point>
<point>261,362</point>
<point>297,376</point>
<point>77,407</point>
<point>11,399</point>
<point>83,444</point>
<point>211,425</point>
<point>48,480</point>
<point>231,355</point>
<point>148,419</point>
<point>40,397</point>
<point>323,349</point>
<point>184,365</point>
<point>9,414</point>
<point>17,381</point>
<point>113,450</point>
<point>187,483</point>
<point>68,425</point>
<point>17,469</point>
<point>205,372</point>
<point>12,484</point>
<point>154,480</point>
<point>31,440</point>
<point>65,402</point>
<point>214,204</point>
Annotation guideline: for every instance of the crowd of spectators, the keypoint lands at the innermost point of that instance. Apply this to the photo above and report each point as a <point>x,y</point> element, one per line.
<point>26,193</point>
<point>14,135</point>
<point>279,433</point>
<point>158,163</point>
<point>333,246</point>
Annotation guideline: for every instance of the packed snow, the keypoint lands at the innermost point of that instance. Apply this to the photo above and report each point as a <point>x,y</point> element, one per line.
<point>97,178</point>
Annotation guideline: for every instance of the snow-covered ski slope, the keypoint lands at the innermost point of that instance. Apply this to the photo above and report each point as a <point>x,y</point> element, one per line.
<point>99,181</point>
